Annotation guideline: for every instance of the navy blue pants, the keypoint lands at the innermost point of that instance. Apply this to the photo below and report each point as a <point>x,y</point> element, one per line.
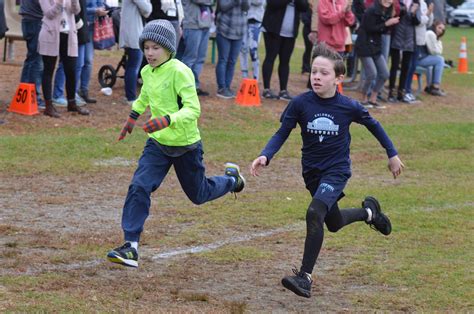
<point>152,169</point>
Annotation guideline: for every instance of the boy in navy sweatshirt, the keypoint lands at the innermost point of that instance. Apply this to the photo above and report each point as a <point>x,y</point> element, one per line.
<point>324,117</point>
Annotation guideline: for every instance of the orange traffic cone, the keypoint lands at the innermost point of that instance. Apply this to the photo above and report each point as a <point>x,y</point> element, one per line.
<point>24,100</point>
<point>248,95</point>
<point>462,66</point>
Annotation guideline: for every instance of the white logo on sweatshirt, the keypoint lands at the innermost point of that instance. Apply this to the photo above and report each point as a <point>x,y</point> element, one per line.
<point>323,125</point>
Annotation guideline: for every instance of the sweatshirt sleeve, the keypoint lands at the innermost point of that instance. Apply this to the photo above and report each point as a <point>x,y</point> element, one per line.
<point>144,6</point>
<point>288,119</point>
<point>434,46</point>
<point>327,14</point>
<point>364,118</point>
<point>50,11</point>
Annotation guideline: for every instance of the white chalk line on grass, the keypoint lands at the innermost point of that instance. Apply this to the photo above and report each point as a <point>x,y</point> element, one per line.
<point>218,244</point>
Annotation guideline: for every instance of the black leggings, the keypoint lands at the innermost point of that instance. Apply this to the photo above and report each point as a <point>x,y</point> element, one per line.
<point>69,64</point>
<point>406,59</point>
<point>335,219</point>
<point>275,45</point>
<point>308,47</point>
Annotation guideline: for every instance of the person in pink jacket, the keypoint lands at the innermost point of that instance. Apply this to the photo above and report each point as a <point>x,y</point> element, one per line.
<point>333,17</point>
<point>58,37</point>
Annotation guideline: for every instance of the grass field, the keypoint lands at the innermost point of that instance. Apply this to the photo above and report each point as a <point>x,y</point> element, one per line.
<point>53,238</point>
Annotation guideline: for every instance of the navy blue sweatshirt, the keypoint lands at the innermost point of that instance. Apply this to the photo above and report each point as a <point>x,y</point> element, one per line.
<point>324,124</point>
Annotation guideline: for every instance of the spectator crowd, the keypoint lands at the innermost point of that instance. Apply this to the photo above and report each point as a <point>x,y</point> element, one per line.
<point>392,39</point>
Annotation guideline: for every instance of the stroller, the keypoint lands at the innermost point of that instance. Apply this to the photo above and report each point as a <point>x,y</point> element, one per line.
<point>108,74</point>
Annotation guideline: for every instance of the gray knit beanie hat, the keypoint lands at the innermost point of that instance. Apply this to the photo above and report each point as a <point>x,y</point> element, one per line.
<point>161,32</point>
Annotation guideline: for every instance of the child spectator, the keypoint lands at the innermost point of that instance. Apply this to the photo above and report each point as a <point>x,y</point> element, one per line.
<point>174,140</point>
<point>324,117</point>
<point>434,58</point>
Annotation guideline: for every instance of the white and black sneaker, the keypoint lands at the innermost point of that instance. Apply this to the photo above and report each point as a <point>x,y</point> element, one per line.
<point>125,255</point>
<point>300,284</point>
<point>379,221</point>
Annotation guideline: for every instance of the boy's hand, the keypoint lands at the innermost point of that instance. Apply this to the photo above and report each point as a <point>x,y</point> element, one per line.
<point>257,164</point>
<point>395,165</point>
<point>156,124</point>
<point>129,124</point>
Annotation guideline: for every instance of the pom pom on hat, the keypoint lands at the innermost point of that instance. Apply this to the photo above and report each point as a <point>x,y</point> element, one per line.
<point>161,32</point>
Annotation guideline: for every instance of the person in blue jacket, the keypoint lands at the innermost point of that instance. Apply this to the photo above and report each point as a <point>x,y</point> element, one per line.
<point>324,117</point>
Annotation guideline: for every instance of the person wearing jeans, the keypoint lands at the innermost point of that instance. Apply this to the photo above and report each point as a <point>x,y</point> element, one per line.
<point>168,94</point>
<point>434,58</point>
<point>230,27</point>
<point>375,69</point>
<point>131,26</point>
<point>196,24</point>
<point>251,39</point>
<point>228,53</point>
<point>194,54</point>
<point>58,88</point>
<point>32,71</point>
<point>93,9</point>
<point>376,20</point>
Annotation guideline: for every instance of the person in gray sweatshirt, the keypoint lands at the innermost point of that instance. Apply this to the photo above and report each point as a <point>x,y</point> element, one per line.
<point>193,45</point>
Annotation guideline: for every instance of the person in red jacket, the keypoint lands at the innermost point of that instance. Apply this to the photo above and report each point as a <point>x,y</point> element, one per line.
<point>334,16</point>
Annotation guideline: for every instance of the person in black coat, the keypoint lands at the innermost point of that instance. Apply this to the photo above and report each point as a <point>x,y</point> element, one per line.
<point>402,43</point>
<point>279,35</point>
<point>375,21</point>
<point>308,45</point>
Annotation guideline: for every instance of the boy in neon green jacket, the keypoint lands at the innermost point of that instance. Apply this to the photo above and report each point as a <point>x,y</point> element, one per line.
<point>174,140</point>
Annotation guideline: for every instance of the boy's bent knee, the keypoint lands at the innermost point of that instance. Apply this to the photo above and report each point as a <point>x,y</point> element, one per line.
<point>197,200</point>
<point>317,210</point>
<point>333,228</point>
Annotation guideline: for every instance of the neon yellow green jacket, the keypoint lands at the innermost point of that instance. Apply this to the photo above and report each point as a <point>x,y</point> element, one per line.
<point>162,86</point>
